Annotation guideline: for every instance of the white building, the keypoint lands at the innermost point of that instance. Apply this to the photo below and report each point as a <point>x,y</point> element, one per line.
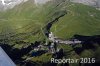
<point>51,37</point>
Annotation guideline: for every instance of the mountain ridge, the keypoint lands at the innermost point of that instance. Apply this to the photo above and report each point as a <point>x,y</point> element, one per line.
<point>26,28</point>
<point>94,3</point>
<point>6,4</point>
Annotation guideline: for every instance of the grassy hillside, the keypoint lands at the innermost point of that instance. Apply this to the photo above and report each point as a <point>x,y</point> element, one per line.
<point>24,26</point>
<point>80,19</point>
<point>26,20</point>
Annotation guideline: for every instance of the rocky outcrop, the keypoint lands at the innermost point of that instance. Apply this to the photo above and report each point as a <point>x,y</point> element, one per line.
<point>41,1</point>
<point>8,4</point>
<point>95,3</point>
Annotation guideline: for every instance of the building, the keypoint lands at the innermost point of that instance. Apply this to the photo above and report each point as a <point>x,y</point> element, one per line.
<point>51,37</point>
<point>61,41</point>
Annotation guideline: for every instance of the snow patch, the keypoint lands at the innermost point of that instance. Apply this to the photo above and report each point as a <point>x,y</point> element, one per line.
<point>37,2</point>
<point>8,4</point>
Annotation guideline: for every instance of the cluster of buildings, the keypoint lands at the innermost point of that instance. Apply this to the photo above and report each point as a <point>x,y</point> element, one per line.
<point>61,41</point>
<point>49,48</point>
<point>53,45</point>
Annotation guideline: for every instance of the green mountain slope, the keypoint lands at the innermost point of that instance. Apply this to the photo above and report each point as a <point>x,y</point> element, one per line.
<point>80,19</point>
<point>26,24</point>
<point>25,20</point>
